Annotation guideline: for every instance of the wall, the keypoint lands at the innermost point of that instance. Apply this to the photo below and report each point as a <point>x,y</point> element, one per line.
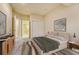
<point>72,15</point>
<point>37,25</point>
<point>5,8</point>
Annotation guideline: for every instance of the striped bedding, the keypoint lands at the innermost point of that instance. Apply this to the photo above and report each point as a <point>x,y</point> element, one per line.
<point>46,44</point>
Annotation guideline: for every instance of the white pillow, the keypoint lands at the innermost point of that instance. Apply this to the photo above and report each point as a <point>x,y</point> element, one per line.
<point>58,37</point>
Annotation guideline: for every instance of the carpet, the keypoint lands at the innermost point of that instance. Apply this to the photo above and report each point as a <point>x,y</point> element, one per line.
<point>67,51</point>
<point>29,49</point>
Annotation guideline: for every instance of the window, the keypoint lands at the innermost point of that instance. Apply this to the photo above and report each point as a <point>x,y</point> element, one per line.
<point>25,28</point>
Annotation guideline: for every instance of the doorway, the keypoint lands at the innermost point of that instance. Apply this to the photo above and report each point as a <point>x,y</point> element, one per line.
<point>22,28</point>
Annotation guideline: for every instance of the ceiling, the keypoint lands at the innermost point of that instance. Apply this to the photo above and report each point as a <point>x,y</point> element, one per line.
<point>35,8</point>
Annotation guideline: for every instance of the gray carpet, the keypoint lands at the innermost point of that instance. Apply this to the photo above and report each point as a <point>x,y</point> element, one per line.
<point>29,49</point>
<point>26,49</point>
<point>67,52</point>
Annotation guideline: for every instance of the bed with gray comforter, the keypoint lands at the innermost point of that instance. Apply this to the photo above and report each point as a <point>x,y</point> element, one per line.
<point>46,44</point>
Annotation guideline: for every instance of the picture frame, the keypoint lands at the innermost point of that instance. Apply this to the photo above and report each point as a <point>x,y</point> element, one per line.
<point>2,23</point>
<point>60,25</point>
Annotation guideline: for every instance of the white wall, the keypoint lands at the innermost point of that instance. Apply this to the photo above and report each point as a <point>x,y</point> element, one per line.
<point>72,15</point>
<point>37,25</point>
<point>6,9</point>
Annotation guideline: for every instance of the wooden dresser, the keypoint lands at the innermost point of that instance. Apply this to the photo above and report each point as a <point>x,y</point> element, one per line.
<point>6,45</point>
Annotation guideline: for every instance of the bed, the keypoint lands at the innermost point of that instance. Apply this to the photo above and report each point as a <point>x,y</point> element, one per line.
<point>49,44</point>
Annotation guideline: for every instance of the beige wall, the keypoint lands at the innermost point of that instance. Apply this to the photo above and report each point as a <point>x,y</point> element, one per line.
<point>72,15</point>
<point>5,8</point>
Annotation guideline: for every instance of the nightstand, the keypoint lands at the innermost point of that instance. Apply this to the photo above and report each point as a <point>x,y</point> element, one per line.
<point>73,45</point>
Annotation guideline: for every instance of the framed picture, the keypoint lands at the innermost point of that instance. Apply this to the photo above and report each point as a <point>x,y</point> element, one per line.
<point>2,23</point>
<point>60,25</point>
